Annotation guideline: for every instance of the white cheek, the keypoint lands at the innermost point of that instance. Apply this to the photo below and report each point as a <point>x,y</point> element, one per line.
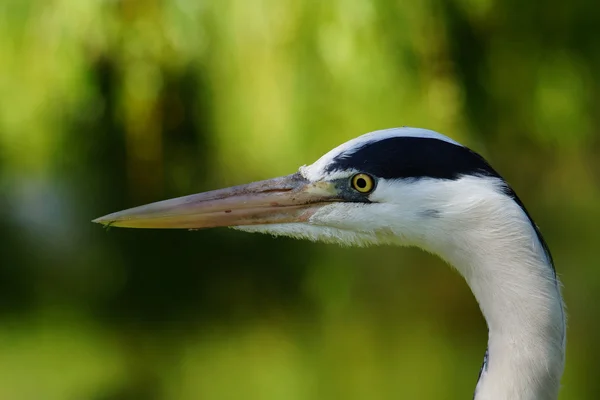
<point>386,223</point>
<point>326,234</point>
<point>340,215</point>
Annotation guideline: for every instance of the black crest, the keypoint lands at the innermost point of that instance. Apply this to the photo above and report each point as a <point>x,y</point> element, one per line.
<point>404,157</point>
<point>413,157</point>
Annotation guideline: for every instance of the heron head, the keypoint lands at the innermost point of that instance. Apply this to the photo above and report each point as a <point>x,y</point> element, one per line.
<point>392,186</point>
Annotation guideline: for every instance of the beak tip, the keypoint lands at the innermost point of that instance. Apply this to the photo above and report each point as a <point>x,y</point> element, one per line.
<point>105,220</point>
<point>101,221</point>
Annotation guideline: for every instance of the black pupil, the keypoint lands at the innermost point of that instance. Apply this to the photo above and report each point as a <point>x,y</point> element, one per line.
<point>361,183</point>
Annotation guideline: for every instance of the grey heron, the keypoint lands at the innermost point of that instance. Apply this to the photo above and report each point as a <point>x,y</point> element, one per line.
<point>409,186</point>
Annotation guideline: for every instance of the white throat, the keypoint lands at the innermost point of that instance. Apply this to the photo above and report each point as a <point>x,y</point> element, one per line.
<point>508,271</point>
<point>523,311</point>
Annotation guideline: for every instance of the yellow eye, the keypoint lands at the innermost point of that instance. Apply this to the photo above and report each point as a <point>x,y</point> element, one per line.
<point>363,183</point>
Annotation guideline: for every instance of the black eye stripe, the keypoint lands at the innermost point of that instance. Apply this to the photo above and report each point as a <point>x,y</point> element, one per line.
<point>413,157</point>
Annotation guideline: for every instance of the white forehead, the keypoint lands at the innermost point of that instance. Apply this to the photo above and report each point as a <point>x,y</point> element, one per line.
<point>316,171</point>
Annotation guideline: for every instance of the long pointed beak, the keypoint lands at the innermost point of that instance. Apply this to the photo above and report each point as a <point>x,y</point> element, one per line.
<point>286,199</point>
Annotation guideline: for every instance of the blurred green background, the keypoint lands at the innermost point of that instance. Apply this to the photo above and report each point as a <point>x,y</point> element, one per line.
<point>106,105</point>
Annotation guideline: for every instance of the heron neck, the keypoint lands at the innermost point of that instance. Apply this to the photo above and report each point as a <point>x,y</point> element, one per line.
<point>519,296</point>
